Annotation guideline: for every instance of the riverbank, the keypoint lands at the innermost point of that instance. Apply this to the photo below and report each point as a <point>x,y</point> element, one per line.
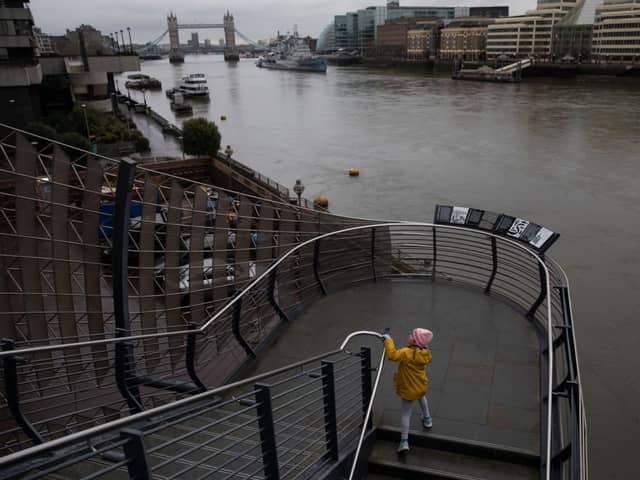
<point>537,70</point>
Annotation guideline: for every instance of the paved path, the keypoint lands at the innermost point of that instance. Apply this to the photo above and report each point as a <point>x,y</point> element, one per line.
<point>484,378</point>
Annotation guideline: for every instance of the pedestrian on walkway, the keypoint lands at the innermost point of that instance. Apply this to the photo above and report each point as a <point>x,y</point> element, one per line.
<point>411,378</point>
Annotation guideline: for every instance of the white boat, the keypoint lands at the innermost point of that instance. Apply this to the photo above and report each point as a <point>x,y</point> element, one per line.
<point>178,105</point>
<point>194,85</point>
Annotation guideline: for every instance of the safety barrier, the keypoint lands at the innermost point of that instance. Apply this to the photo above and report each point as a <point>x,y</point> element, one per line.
<point>137,332</point>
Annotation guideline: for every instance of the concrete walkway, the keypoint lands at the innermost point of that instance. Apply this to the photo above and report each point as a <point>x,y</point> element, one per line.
<point>484,378</point>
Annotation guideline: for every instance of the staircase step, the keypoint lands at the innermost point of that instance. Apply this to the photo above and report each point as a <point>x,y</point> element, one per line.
<point>464,446</point>
<point>431,463</point>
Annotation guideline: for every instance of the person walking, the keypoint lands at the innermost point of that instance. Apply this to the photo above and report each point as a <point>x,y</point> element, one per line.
<point>411,380</point>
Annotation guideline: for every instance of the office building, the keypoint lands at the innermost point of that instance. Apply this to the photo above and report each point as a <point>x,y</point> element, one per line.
<point>359,29</point>
<point>528,35</point>
<point>20,74</point>
<point>616,31</point>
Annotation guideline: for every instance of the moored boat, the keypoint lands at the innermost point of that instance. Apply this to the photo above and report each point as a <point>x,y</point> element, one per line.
<point>194,85</point>
<point>140,81</point>
<point>293,54</point>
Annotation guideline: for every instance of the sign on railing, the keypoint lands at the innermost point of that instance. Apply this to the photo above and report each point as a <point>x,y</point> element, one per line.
<point>525,231</point>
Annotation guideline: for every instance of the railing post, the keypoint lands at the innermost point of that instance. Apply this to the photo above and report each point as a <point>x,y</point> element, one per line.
<point>494,270</point>
<point>543,292</point>
<point>435,255</point>
<point>272,297</point>
<point>316,266</point>
<point>330,415</point>
<point>373,254</point>
<point>120,264</point>
<point>124,365</point>
<point>235,326</point>
<point>365,375</point>
<point>191,359</point>
<point>136,453</point>
<point>10,367</point>
<point>267,432</point>
<point>125,377</point>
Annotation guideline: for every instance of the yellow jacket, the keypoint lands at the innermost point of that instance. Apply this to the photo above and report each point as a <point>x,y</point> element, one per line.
<point>411,378</point>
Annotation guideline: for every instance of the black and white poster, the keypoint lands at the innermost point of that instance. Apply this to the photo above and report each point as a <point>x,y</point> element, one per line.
<point>541,238</point>
<point>459,215</point>
<point>517,228</point>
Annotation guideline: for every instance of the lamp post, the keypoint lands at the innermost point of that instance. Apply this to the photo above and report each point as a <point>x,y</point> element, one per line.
<point>298,188</point>
<point>228,151</point>
<point>130,42</point>
<point>86,121</point>
<point>124,45</point>
<point>181,138</point>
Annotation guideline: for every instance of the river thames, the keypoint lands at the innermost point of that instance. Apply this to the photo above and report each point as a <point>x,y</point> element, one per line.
<point>564,153</point>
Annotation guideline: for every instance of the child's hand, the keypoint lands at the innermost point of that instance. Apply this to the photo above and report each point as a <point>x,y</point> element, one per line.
<point>385,333</point>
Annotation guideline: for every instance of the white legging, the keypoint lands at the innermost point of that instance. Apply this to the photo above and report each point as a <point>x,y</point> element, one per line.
<point>406,414</point>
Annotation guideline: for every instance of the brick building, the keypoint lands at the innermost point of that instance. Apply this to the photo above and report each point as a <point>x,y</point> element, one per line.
<point>392,36</point>
<point>423,41</point>
<point>464,39</point>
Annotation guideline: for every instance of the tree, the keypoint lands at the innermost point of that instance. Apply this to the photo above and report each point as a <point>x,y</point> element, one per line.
<point>200,137</point>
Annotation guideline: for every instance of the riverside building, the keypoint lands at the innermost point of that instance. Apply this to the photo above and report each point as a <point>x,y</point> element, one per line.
<point>423,40</point>
<point>616,32</point>
<point>464,39</point>
<point>20,72</point>
<point>528,35</point>
<point>359,30</point>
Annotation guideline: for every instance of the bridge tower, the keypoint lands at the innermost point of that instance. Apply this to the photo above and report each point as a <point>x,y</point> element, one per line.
<point>230,50</point>
<point>175,52</point>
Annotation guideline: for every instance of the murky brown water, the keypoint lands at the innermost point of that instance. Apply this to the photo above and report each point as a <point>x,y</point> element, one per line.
<point>562,152</point>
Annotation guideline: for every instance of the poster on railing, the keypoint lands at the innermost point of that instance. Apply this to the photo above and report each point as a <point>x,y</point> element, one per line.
<point>525,231</point>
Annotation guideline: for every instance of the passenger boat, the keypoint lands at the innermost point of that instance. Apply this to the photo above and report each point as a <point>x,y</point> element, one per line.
<point>140,81</point>
<point>194,85</point>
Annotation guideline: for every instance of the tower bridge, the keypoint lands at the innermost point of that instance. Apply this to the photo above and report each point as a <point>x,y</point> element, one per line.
<point>176,52</point>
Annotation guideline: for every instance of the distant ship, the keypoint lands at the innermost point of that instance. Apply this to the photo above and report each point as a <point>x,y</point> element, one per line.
<point>293,54</point>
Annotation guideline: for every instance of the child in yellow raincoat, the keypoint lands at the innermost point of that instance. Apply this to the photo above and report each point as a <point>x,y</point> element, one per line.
<point>411,378</point>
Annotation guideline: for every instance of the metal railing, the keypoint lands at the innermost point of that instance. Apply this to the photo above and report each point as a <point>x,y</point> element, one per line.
<point>289,423</point>
<point>232,269</point>
<point>497,265</point>
<point>60,274</point>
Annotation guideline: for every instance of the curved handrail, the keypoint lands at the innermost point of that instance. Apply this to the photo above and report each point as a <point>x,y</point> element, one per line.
<point>229,305</point>
<point>124,421</point>
<point>273,267</point>
<point>374,391</point>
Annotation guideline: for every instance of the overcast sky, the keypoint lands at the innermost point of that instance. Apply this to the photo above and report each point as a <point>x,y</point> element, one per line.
<point>257,19</point>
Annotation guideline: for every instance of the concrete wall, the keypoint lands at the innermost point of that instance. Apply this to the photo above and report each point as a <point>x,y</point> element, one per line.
<point>19,105</point>
<point>20,76</point>
<point>115,63</point>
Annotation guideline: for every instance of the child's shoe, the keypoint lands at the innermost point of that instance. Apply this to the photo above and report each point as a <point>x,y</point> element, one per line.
<point>427,422</point>
<point>404,446</point>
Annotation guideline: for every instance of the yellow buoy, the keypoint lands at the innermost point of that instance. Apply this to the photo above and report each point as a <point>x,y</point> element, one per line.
<point>321,201</point>
<point>354,172</point>
<point>223,117</point>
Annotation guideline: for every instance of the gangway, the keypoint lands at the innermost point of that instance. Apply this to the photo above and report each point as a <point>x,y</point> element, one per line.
<point>514,67</point>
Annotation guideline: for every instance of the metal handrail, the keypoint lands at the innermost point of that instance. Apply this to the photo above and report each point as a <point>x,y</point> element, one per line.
<point>374,391</point>
<point>85,435</point>
<point>238,298</point>
<point>272,268</point>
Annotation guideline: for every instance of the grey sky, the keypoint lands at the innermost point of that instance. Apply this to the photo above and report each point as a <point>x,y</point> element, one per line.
<point>257,19</point>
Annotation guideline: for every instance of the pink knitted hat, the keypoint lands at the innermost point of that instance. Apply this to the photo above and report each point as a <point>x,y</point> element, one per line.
<point>422,336</point>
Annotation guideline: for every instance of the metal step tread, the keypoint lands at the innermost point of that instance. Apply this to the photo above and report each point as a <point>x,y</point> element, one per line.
<point>432,463</point>
<point>476,448</point>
